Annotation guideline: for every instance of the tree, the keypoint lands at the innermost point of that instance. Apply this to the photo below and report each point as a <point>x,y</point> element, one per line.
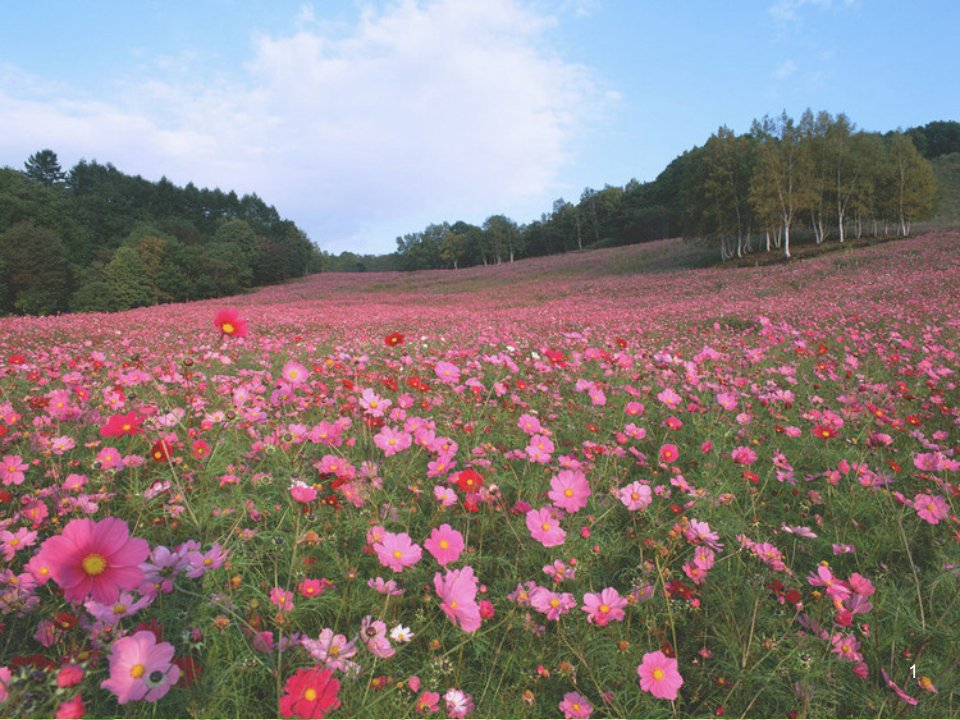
<point>913,186</point>
<point>35,272</point>
<point>782,179</point>
<point>44,167</point>
<point>126,277</point>
<point>503,236</point>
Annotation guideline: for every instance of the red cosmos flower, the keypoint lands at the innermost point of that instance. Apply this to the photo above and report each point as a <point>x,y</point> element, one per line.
<point>120,425</point>
<point>200,449</point>
<point>469,480</point>
<point>161,451</point>
<point>822,431</point>
<point>393,339</point>
<point>230,323</point>
<point>310,694</point>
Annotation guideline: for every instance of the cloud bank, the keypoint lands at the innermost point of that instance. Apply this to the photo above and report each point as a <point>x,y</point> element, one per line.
<point>418,112</point>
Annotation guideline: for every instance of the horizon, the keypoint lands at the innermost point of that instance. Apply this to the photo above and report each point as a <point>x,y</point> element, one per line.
<point>319,109</point>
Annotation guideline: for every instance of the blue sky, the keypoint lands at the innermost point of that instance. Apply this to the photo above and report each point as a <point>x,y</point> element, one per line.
<point>362,121</point>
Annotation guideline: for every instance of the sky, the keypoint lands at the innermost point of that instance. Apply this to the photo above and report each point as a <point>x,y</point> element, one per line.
<point>364,121</point>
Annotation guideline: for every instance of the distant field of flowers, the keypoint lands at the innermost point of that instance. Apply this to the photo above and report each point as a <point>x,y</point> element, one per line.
<point>551,488</point>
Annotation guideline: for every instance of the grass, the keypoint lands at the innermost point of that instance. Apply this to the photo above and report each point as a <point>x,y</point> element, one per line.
<point>795,348</point>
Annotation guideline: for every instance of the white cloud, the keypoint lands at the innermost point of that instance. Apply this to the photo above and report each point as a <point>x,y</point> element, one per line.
<point>421,112</point>
<point>785,70</point>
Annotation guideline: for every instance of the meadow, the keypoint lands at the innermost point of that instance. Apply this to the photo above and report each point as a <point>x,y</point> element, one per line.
<point>583,486</point>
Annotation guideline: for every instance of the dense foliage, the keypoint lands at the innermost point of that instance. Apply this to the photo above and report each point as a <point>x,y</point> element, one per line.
<point>95,238</point>
<point>741,191</point>
<point>708,493</point>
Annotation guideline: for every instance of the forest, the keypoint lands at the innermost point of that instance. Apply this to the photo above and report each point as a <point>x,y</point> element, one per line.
<point>96,239</point>
<point>818,175</point>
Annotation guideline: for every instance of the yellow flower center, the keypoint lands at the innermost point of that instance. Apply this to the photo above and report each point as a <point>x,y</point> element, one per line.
<point>658,674</point>
<point>568,492</point>
<point>454,605</point>
<point>137,670</point>
<point>604,608</point>
<point>119,609</point>
<point>310,695</point>
<point>15,541</point>
<point>545,527</point>
<point>554,602</point>
<point>94,564</point>
<point>444,544</point>
<point>228,328</point>
<point>397,554</point>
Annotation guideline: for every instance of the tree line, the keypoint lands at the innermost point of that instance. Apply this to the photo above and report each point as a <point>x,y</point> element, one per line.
<point>742,192</point>
<point>96,239</point>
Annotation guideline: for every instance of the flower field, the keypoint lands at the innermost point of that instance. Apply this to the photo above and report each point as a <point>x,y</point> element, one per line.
<point>560,487</point>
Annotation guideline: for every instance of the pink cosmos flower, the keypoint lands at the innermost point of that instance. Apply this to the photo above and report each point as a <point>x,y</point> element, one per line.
<point>392,441</point>
<point>670,398</point>
<point>457,590</point>
<point>445,544</point>
<point>428,703</point>
<point>459,704</point>
<point>294,373</point>
<point>743,456</point>
<point>312,587</point>
<point>95,559</point>
<point>540,449</point>
<point>530,424</point>
<point>544,528</point>
<point>551,604</point>
<point>447,372</point>
<point>282,599</point>
<point>659,676</point>
<point>636,496</point>
<point>397,551</point>
<point>896,688</point>
<point>569,490</point>
<point>229,322</point>
<point>72,708</point>
<point>575,705</point>
<point>931,508</point>
<point>374,635</point>
<point>331,649</point>
<point>669,454</point>
<point>11,542</point>
<point>141,668</point>
<point>12,469</point>
<point>604,606</point>
<point>301,492</point>
<point>5,676</point>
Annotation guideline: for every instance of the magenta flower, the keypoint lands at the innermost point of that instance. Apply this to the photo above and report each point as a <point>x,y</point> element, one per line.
<point>931,508</point>
<point>141,668</point>
<point>636,496</point>
<point>659,675</point>
<point>294,373</point>
<point>604,606</point>
<point>397,551</point>
<point>12,469</point>
<point>282,599</point>
<point>445,544</point>
<point>447,372</point>
<point>551,604</point>
<point>457,590</point>
<point>392,441</point>
<point>897,689</point>
<point>575,705</point>
<point>669,454</point>
<point>544,528</point>
<point>743,456</point>
<point>569,490</point>
<point>94,559</point>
